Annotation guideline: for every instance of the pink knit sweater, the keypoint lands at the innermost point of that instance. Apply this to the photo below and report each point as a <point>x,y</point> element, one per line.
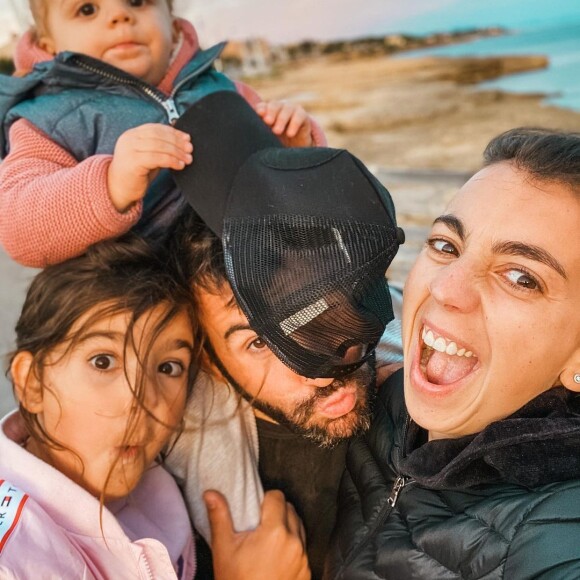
<point>53,207</point>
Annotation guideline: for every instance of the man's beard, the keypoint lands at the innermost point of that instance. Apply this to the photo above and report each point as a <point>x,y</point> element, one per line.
<point>324,431</point>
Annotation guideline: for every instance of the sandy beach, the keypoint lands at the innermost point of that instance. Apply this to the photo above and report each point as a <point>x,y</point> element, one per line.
<point>420,124</point>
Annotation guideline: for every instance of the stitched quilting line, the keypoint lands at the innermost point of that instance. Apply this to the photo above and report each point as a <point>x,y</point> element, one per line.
<point>531,508</point>
<point>403,518</point>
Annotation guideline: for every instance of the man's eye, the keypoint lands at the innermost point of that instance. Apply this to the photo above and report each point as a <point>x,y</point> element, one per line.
<point>136,3</point>
<point>103,362</point>
<point>87,9</point>
<point>171,368</point>
<point>442,246</point>
<point>257,344</point>
<point>522,279</point>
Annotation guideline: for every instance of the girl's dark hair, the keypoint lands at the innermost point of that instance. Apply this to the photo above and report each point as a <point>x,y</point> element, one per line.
<point>545,154</point>
<point>116,276</point>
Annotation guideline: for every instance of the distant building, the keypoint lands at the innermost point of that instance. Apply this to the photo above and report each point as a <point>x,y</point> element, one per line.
<point>251,58</point>
<point>7,50</point>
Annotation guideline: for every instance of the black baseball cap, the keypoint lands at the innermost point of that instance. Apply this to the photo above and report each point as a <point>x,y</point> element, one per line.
<point>307,234</point>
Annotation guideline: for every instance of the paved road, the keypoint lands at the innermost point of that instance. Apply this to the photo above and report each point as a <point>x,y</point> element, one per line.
<point>419,197</point>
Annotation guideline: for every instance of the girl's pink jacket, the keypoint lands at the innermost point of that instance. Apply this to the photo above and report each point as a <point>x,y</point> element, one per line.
<point>50,527</point>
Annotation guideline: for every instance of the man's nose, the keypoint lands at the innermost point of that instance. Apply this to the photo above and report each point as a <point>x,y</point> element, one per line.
<point>354,354</point>
<point>318,382</point>
<point>455,287</point>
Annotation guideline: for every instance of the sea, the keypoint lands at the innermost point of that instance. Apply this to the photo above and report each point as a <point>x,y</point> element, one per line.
<point>560,82</point>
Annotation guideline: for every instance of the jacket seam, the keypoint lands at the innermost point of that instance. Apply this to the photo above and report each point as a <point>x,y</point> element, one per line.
<point>525,519</point>
<point>421,550</point>
<point>472,516</point>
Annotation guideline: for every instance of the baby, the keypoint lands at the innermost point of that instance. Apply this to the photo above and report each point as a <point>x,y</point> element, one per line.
<point>86,131</point>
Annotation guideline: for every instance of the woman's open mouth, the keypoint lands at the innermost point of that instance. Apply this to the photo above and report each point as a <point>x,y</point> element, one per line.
<point>443,361</point>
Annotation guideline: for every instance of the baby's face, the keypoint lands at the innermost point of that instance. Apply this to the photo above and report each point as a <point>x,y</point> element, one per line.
<point>136,36</point>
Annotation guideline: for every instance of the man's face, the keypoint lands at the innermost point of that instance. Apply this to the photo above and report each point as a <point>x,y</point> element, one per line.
<point>326,410</point>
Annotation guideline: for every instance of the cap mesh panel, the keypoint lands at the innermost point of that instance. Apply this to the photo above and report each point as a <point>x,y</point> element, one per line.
<point>313,288</point>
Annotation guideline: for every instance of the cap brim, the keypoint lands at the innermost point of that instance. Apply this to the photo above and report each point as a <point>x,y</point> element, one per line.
<point>225,131</point>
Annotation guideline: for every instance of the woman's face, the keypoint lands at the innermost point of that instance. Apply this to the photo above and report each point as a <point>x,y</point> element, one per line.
<point>492,305</point>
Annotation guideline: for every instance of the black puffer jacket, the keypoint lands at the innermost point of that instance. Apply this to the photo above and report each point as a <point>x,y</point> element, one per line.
<point>504,503</point>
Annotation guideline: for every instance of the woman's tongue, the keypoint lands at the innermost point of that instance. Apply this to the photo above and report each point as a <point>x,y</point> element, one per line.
<point>443,369</point>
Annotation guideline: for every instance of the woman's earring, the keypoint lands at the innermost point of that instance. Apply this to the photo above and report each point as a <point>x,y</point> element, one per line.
<point>577,378</point>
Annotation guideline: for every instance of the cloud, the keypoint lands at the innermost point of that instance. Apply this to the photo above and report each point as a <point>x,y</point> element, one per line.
<point>282,21</point>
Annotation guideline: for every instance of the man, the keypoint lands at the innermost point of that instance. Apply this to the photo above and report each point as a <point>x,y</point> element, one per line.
<point>288,276</point>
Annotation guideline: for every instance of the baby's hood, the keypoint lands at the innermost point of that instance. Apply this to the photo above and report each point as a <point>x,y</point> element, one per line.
<point>28,54</point>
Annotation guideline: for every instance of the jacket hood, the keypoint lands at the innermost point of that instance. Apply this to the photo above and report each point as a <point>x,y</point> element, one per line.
<point>535,446</point>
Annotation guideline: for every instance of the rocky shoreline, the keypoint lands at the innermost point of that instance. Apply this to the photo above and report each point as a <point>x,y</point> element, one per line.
<point>411,113</point>
<point>420,123</point>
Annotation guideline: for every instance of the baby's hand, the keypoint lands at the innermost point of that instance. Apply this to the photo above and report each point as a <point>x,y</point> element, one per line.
<point>275,549</point>
<point>138,156</point>
<point>287,120</point>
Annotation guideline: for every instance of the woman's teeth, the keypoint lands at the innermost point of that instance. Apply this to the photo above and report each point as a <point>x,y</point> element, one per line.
<point>441,344</point>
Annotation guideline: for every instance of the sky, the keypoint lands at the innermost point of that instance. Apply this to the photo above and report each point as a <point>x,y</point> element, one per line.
<point>283,21</point>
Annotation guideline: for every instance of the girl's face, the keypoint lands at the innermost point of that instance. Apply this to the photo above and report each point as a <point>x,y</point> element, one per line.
<point>87,400</point>
<point>491,308</point>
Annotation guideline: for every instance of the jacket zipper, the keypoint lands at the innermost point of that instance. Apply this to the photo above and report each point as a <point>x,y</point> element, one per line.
<point>148,567</point>
<point>167,103</point>
<point>400,482</point>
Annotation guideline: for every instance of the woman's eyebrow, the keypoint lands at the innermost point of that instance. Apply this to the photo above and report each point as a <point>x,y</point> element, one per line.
<point>508,248</point>
<point>532,252</point>
<point>453,223</point>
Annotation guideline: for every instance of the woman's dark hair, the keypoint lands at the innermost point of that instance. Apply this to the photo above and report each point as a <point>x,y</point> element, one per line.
<point>545,154</point>
<point>117,276</point>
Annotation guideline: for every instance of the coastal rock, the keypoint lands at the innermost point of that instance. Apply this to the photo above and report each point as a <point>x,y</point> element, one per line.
<point>471,70</point>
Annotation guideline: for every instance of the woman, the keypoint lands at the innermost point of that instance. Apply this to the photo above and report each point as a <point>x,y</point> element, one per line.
<point>472,466</point>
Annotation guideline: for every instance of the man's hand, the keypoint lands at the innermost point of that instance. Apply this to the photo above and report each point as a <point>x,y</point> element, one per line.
<point>275,549</point>
<point>138,156</point>
<point>288,121</point>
